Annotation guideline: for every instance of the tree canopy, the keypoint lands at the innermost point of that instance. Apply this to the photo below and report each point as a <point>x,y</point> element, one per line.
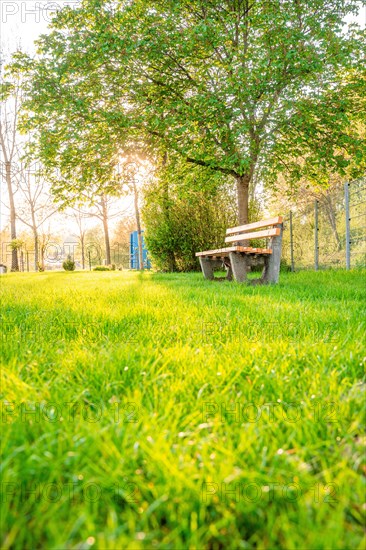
<point>241,87</point>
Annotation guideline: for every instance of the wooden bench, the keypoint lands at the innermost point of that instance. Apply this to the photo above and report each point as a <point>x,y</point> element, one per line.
<point>239,256</point>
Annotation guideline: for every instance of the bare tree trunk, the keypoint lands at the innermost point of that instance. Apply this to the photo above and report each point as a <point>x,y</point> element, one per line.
<point>138,224</point>
<point>78,217</point>
<point>35,235</point>
<point>82,242</point>
<point>332,220</point>
<point>13,232</point>
<point>8,134</point>
<point>242,186</point>
<point>36,248</point>
<point>43,250</point>
<point>106,230</point>
<point>44,239</point>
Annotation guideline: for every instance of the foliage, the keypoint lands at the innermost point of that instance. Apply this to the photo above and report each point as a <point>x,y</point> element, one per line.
<point>186,209</point>
<point>69,264</point>
<point>135,361</point>
<point>101,268</point>
<point>16,244</point>
<point>94,245</point>
<point>237,87</point>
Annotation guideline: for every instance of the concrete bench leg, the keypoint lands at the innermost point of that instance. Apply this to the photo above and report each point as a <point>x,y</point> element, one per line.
<point>208,265</point>
<point>229,273</point>
<point>271,271</point>
<point>239,266</point>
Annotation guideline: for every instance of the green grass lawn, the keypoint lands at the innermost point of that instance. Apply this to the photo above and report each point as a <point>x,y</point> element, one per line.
<point>151,410</point>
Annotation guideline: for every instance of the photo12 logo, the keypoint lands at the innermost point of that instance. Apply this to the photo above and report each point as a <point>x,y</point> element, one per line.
<point>238,412</point>
<point>74,491</point>
<point>269,331</point>
<point>252,492</point>
<point>119,413</point>
<point>56,252</point>
<point>32,11</point>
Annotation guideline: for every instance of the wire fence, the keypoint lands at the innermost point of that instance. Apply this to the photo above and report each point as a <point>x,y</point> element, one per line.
<point>329,232</point>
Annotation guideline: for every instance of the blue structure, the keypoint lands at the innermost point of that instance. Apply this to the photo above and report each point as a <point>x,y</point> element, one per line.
<point>134,252</point>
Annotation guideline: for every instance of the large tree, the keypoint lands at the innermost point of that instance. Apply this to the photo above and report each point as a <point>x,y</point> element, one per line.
<point>233,85</point>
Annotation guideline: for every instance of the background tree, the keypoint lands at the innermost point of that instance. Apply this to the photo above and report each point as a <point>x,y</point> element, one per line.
<point>79,216</point>
<point>121,240</point>
<point>36,205</point>
<point>10,99</point>
<point>100,208</point>
<point>315,182</point>
<point>102,214</point>
<point>45,238</point>
<point>301,200</point>
<point>94,244</point>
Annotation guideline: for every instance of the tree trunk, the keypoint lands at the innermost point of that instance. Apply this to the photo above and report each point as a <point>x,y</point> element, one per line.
<point>13,232</point>
<point>242,186</point>
<point>43,250</point>
<point>82,242</point>
<point>36,248</point>
<point>106,231</point>
<point>35,235</point>
<point>333,222</point>
<point>138,224</point>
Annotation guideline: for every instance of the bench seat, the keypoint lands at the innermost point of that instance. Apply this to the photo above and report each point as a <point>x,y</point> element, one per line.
<point>222,252</point>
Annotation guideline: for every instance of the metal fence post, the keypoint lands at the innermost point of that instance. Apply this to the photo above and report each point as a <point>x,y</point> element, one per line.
<point>348,228</point>
<point>292,244</point>
<point>316,243</point>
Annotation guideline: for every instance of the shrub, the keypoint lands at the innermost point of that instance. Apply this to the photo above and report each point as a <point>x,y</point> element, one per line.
<point>101,268</point>
<point>69,264</point>
<point>186,209</point>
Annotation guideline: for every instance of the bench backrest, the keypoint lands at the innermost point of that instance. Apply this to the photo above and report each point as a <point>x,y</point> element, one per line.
<point>246,232</point>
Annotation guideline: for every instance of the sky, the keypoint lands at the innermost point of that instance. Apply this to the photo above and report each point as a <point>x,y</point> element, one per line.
<point>22,21</point>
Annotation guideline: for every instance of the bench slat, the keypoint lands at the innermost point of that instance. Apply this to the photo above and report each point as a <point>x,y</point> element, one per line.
<point>255,225</point>
<point>225,251</point>
<point>255,235</point>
